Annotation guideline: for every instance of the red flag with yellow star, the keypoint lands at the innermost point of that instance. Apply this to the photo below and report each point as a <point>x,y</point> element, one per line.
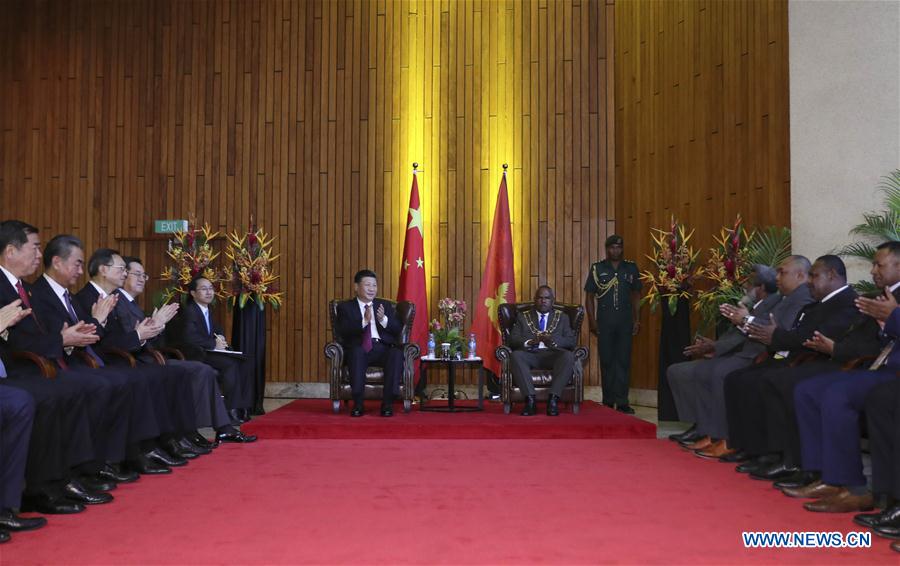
<point>498,284</point>
<point>412,269</point>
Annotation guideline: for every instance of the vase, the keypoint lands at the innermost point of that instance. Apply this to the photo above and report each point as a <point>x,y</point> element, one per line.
<point>248,334</point>
<point>675,336</point>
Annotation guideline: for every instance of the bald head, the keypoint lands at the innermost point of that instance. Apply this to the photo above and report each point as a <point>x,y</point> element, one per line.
<point>791,273</point>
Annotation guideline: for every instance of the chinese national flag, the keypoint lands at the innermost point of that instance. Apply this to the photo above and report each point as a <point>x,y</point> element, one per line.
<point>498,284</point>
<point>412,271</point>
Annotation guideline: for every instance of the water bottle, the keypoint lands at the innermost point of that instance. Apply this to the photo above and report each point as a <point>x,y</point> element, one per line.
<point>431,345</point>
<point>472,346</point>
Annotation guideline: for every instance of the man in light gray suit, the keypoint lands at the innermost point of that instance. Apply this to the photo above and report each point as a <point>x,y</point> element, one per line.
<point>698,385</point>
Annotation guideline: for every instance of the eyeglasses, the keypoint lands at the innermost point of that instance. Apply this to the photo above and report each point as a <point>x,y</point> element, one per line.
<point>205,289</point>
<point>139,275</point>
<point>115,266</point>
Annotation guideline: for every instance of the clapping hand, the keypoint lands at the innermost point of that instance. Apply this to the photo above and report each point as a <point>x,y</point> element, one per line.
<point>762,332</point>
<point>148,328</point>
<point>702,347</point>
<point>11,314</point>
<point>820,343</point>
<point>379,314</point>
<point>165,313</point>
<point>79,334</point>
<point>101,309</point>
<point>734,313</point>
<point>879,308</point>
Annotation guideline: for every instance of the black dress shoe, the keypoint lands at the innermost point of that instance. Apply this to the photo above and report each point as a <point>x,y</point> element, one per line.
<point>774,472</point>
<point>113,472</point>
<point>235,416</point>
<point>387,411</point>
<point>553,406</point>
<point>889,516</point>
<point>530,407</point>
<point>357,411</point>
<point>97,483</point>
<point>4,537</point>
<point>683,436</point>
<point>9,521</point>
<point>160,456</point>
<point>48,504</point>
<point>75,491</point>
<point>146,466</point>
<point>625,409</point>
<point>757,463</point>
<point>175,448</point>
<point>888,531</point>
<point>186,445</point>
<point>235,436</point>
<point>201,441</point>
<point>738,457</point>
<point>800,479</point>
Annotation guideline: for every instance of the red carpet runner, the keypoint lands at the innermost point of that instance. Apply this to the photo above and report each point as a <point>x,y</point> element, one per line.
<point>313,418</point>
<point>439,501</point>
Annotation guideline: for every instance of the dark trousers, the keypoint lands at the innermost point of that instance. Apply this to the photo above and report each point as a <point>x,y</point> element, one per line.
<point>561,362</point>
<point>744,406</point>
<point>61,434</point>
<point>209,404</point>
<point>17,410</point>
<point>779,432</point>
<point>381,355</point>
<point>235,379</point>
<point>828,411</point>
<point>882,408</point>
<point>614,335</point>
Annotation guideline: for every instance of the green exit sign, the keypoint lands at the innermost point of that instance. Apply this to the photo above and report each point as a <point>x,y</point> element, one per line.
<point>169,226</point>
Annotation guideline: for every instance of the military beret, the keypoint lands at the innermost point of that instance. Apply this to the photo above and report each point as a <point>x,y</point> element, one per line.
<point>613,240</point>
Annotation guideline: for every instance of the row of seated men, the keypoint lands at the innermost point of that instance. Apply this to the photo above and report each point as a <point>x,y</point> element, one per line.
<point>86,400</point>
<point>786,391</point>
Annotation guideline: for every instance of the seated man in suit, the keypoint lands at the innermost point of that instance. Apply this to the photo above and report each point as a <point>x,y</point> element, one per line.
<point>198,334</point>
<point>542,338</point>
<point>882,408</point>
<point>693,383</point>
<point>210,409</point>
<point>16,418</point>
<point>370,330</point>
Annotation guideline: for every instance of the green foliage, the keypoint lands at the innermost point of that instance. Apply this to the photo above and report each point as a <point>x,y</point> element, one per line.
<point>769,246</point>
<point>867,288</point>
<point>861,250</point>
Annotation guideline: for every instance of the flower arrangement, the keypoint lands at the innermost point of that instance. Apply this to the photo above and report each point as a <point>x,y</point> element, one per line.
<point>251,269</point>
<point>675,263</point>
<point>453,312</point>
<point>727,269</point>
<point>192,255</point>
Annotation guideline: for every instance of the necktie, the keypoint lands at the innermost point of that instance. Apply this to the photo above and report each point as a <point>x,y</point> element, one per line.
<point>208,325</point>
<point>2,370</point>
<point>74,318</point>
<point>23,295</point>
<point>542,325</point>
<point>367,334</point>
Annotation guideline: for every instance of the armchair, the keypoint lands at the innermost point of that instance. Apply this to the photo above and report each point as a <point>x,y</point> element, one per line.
<point>339,375</point>
<point>509,391</point>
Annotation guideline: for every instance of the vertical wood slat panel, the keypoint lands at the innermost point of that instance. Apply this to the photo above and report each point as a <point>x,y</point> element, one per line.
<point>308,115</point>
<point>708,155</point>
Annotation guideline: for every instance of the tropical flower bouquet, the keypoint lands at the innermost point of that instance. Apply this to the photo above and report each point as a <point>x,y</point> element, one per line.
<point>675,263</point>
<point>453,312</point>
<point>192,255</point>
<point>251,269</point>
<point>727,269</point>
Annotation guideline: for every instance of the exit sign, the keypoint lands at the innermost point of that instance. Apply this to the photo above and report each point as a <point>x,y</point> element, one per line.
<point>169,226</point>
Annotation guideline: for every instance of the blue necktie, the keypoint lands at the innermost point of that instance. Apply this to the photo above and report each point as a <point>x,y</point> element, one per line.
<point>206,319</point>
<point>3,373</point>
<point>542,325</point>
<point>74,318</point>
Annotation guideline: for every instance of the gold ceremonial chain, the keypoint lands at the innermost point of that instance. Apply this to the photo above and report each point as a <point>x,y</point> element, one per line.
<point>552,322</point>
<point>604,288</point>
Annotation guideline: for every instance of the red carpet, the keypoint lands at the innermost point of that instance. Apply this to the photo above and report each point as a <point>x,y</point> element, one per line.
<point>439,501</point>
<point>313,418</point>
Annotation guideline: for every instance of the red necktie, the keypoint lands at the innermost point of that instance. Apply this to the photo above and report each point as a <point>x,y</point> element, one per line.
<point>367,335</point>
<point>23,295</point>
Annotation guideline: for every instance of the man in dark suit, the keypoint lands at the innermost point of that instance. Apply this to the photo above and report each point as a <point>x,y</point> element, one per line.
<point>692,387</point>
<point>197,334</point>
<point>370,331</point>
<point>882,408</point>
<point>210,410</point>
<point>17,410</point>
<point>542,338</point>
<point>746,390</point>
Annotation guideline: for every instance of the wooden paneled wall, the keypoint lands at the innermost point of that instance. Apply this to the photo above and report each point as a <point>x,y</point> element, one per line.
<point>701,126</point>
<point>308,115</point>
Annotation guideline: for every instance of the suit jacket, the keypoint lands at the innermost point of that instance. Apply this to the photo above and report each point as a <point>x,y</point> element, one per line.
<point>832,318</point>
<point>53,315</point>
<point>348,323</point>
<point>558,327</point>
<point>115,334</point>
<point>736,343</point>
<point>30,334</point>
<point>190,333</point>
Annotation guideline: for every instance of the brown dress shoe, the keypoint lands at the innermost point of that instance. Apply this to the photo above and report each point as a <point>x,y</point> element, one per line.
<point>701,444</point>
<point>715,450</point>
<point>842,502</point>
<point>815,490</point>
